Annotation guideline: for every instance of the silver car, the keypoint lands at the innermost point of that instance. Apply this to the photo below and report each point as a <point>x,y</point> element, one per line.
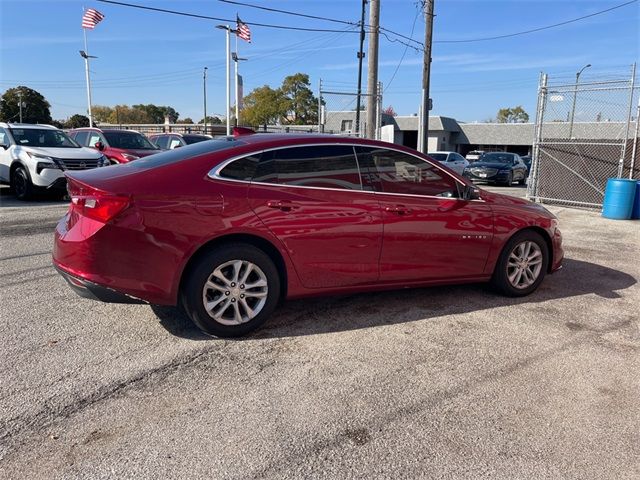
<point>453,160</point>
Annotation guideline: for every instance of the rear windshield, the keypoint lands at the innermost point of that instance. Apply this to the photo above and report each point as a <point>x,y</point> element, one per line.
<point>440,157</point>
<point>41,137</point>
<point>128,140</point>
<point>183,153</point>
<point>189,139</point>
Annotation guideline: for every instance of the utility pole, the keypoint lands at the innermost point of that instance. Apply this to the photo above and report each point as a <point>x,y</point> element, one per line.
<point>237,60</point>
<point>20,104</point>
<point>204,91</point>
<point>426,73</point>
<point>360,57</point>
<point>372,70</point>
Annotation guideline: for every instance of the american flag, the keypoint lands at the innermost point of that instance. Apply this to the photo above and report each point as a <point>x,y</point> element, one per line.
<point>243,30</point>
<point>91,18</point>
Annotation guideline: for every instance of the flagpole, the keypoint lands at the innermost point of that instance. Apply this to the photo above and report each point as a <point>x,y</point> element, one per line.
<point>228,80</point>
<point>236,61</point>
<point>86,69</point>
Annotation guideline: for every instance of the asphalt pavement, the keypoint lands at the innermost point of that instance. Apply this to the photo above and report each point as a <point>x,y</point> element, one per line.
<point>448,382</point>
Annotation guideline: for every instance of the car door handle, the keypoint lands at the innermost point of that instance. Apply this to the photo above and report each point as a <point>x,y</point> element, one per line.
<point>283,205</point>
<point>398,209</point>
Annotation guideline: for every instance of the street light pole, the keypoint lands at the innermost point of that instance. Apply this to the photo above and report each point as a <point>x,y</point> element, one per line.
<point>204,91</point>
<point>423,141</point>
<point>575,94</point>
<point>20,104</point>
<point>236,59</point>
<point>228,29</point>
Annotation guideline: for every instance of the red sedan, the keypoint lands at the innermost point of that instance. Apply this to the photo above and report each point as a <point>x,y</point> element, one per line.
<point>228,228</point>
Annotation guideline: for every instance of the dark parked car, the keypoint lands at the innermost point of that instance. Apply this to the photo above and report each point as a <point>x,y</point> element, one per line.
<point>119,146</point>
<point>228,228</point>
<point>497,167</point>
<point>527,161</point>
<point>169,141</point>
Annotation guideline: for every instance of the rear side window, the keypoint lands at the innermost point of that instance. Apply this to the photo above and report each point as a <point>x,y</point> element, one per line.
<point>243,169</point>
<point>326,166</point>
<point>390,171</point>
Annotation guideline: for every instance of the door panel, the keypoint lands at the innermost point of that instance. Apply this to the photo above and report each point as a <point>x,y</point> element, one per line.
<point>429,233</point>
<point>333,234</point>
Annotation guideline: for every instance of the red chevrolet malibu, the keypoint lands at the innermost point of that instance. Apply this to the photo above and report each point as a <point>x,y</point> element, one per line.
<point>228,228</point>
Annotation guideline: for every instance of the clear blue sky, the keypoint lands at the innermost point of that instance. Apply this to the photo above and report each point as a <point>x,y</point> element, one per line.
<point>148,57</point>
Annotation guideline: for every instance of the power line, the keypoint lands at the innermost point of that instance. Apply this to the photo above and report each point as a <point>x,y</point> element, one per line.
<point>525,32</point>
<point>287,12</point>
<point>413,27</point>
<point>225,20</point>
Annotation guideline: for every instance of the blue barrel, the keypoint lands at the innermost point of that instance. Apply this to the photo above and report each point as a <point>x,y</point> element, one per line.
<point>618,198</point>
<point>635,213</point>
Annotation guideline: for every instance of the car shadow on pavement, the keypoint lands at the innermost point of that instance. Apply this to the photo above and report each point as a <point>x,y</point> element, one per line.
<point>366,310</point>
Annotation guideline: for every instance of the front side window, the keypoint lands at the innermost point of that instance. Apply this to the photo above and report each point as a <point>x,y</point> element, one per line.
<point>81,137</point>
<point>93,139</point>
<point>40,137</point>
<point>174,142</point>
<point>390,171</point>
<point>4,137</point>
<point>325,166</point>
<point>161,141</point>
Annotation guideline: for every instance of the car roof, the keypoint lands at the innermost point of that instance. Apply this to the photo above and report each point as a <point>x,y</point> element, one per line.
<point>441,151</point>
<point>102,130</point>
<point>28,125</point>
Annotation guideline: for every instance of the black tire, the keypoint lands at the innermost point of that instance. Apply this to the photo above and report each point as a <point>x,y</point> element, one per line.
<point>193,289</point>
<point>522,181</point>
<point>21,184</point>
<point>500,280</point>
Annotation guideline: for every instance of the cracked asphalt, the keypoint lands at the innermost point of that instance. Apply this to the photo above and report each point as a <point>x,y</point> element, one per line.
<point>451,382</point>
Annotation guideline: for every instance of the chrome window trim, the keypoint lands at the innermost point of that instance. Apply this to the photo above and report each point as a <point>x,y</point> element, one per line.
<point>214,173</point>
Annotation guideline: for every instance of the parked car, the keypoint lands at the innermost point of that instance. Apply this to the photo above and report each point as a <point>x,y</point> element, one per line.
<point>119,146</point>
<point>498,167</point>
<point>526,159</point>
<point>35,157</point>
<point>228,228</point>
<point>169,141</point>
<point>453,160</point>
<point>474,155</point>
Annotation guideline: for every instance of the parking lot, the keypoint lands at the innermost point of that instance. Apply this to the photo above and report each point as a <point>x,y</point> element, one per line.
<point>433,383</point>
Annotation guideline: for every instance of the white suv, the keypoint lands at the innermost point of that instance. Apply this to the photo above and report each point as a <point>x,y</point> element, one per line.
<point>35,157</point>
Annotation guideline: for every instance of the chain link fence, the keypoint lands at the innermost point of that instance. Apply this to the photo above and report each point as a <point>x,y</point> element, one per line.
<point>338,113</point>
<point>585,133</point>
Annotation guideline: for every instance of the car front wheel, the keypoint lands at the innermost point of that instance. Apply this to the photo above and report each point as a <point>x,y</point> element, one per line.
<point>231,290</point>
<point>522,264</point>
<point>21,184</point>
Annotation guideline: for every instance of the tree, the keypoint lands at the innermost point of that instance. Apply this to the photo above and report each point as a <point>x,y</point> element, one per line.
<point>186,120</point>
<point>101,114</point>
<point>126,114</point>
<point>512,115</point>
<point>390,111</point>
<point>77,121</point>
<point>264,105</point>
<point>212,120</point>
<point>301,103</point>
<point>35,108</point>
<point>157,114</point>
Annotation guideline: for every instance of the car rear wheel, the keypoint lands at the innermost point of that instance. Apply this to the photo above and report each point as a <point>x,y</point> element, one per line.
<point>231,290</point>
<point>21,184</point>
<point>522,264</point>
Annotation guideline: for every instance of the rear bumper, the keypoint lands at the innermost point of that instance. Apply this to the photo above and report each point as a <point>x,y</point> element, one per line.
<point>93,291</point>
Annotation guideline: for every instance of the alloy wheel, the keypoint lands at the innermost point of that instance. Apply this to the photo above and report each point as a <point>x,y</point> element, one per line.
<point>524,264</point>
<point>235,292</point>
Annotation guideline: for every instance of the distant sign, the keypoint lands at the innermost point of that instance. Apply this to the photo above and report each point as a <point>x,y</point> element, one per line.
<point>556,98</point>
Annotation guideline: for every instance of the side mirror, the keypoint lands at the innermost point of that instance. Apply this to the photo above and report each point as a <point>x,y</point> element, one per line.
<point>471,193</point>
<point>176,146</point>
<point>99,146</point>
<point>4,147</point>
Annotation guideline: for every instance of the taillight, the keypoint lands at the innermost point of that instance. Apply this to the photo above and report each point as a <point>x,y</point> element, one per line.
<point>101,207</point>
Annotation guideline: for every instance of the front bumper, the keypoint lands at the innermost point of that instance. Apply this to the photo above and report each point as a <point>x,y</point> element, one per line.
<point>499,176</point>
<point>93,291</point>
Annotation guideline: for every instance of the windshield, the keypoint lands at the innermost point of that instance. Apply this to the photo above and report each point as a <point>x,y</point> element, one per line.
<point>497,157</point>
<point>195,138</point>
<point>441,157</point>
<point>42,137</point>
<point>128,140</point>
